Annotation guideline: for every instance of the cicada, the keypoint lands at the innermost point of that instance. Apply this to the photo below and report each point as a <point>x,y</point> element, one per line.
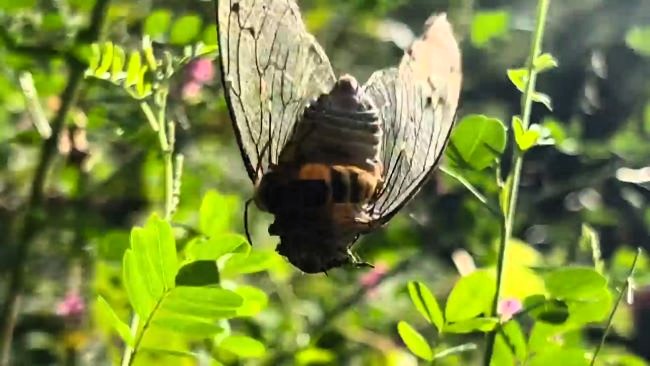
<point>330,158</point>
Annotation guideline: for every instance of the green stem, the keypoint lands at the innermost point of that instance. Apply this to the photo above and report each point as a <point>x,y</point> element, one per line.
<point>166,137</point>
<point>610,319</point>
<point>34,215</point>
<point>511,188</point>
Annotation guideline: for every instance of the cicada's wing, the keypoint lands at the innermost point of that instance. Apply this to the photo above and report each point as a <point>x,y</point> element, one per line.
<point>271,68</point>
<point>417,104</point>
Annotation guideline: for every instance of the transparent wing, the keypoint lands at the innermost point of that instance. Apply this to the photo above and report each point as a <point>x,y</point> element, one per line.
<point>271,68</point>
<point>417,104</point>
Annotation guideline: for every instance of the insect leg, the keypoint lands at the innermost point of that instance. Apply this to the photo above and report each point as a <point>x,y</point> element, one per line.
<point>248,235</point>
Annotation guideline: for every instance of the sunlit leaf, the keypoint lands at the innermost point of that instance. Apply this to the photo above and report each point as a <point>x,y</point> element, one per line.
<point>135,283</point>
<point>185,29</point>
<point>519,78</point>
<point>512,335</point>
<point>155,247</point>
<point>215,213</point>
<point>569,357</point>
<point>544,62</point>
<point>489,25</point>
<point>524,138</point>
<point>119,59</point>
<point>157,23</point>
<point>120,327</point>
<point>254,300</point>
<point>243,346</point>
<point>472,325</point>
<point>476,142</point>
<point>589,240</point>
<point>426,303</point>
<point>574,283</point>
<point>471,296</point>
<point>216,247</point>
<point>106,60</point>
<point>133,69</point>
<point>244,263</point>
<point>414,341</point>
<point>638,39</point>
<point>189,325</point>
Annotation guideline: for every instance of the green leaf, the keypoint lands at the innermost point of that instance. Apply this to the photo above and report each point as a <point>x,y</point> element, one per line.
<point>638,39</point>
<point>210,36</point>
<point>120,327</point>
<point>133,69</point>
<point>589,240</point>
<point>254,300</point>
<point>519,78</point>
<point>244,263</point>
<point>206,297</point>
<point>489,25</point>
<point>476,142</point>
<point>426,303</point>
<point>314,356</point>
<point>215,213</point>
<point>94,59</point>
<point>569,357</point>
<point>106,60</point>
<point>185,29</point>
<point>525,139</point>
<point>198,273</point>
<point>550,311</point>
<point>119,59</point>
<point>216,247</point>
<point>11,6</point>
<point>574,283</point>
<point>112,245</point>
<point>544,62</point>
<point>136,286</point>
<point>472,325</point>
<point>243,346</point>
<point>512,335</point>
<point>188,325</point>
<point>155,250</point>
<point>471,296</point>
<point>414,341</point>
<point>169,352</point>
<point>157,23</point>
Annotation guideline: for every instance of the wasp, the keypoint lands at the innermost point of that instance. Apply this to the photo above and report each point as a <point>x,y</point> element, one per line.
<point>332,159</point>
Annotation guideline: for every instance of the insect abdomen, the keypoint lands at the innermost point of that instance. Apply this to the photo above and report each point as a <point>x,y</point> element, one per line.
<point>313,186</point>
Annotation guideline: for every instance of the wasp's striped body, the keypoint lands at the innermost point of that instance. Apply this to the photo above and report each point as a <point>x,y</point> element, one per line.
<point>327,175</point>
<point>331,159</point>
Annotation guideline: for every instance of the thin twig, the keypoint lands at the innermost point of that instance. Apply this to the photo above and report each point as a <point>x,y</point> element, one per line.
<point>34,215</point>
<point>512,183</point>
<point>610,319</point>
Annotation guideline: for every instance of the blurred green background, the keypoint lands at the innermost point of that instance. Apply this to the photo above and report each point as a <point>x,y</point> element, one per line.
<point>106,175</point>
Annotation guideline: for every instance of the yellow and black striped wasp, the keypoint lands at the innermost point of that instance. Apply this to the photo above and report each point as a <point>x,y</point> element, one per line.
<point>331,159</point>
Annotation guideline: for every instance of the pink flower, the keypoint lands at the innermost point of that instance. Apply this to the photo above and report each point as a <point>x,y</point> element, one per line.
<point>191,90</point>
<point>201,70</point>
<point>508,308</point>
<point>71,306</point>
<point>371,278</point>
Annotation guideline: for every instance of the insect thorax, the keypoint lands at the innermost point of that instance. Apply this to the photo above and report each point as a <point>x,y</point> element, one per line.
<point>326,176</point>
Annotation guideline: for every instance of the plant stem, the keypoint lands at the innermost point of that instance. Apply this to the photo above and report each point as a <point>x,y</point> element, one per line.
<point>34,215</point>
<point>511,188</point>
<point>166,138</point>
<point>628,281</point>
